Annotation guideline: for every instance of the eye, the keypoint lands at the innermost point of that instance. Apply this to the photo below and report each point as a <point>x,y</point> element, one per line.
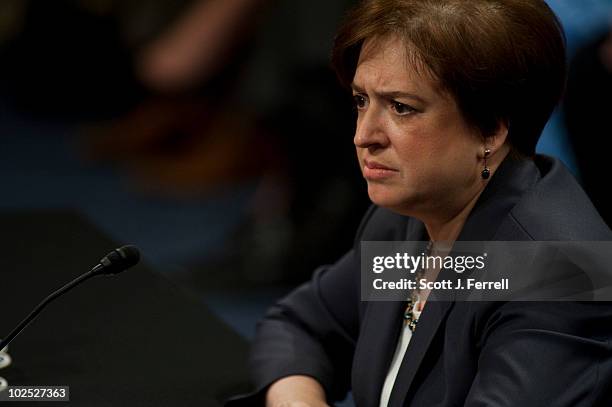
<point>402,109</point>
<point>360,101</point>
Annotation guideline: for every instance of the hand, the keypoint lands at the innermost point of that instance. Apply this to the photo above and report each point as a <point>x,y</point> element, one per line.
<point>296,391</point>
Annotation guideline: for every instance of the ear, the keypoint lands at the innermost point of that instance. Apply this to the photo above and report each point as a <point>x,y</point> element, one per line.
<point>499,139</point>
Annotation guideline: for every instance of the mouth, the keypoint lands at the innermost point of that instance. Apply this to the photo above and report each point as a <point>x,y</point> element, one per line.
<point>373,165</point>
<point>375,171</point>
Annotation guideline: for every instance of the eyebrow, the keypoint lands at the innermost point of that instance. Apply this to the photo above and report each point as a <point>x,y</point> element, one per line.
<point>391,94</point>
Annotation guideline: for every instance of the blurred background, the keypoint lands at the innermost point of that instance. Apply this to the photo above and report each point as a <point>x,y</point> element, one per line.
<point>196,129</point>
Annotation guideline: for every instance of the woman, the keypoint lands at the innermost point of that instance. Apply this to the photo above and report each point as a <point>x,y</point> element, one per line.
<point>451,97</point>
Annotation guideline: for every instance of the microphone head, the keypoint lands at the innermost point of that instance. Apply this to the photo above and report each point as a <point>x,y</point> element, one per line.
<point>130,255</point>
<point>119,260</point>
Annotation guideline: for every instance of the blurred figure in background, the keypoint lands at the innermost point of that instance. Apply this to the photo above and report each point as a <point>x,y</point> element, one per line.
<point>199,95</point>
<point>196,45</point>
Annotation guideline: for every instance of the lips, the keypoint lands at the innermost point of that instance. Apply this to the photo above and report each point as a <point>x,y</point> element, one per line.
<point>375,171</point>
<point>373,165</point>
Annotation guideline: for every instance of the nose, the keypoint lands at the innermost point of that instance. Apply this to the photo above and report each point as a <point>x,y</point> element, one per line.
<point>370,132</point>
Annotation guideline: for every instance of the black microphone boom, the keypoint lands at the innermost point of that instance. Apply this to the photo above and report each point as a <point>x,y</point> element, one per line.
<point>115,262</point>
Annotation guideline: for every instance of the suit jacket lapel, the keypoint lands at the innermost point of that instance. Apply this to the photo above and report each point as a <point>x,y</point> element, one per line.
<point>378,337</point>
<point>509,183</point>
<point>375,348</point>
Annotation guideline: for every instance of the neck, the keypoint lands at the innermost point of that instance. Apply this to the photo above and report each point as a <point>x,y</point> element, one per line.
<point>447,230</point>
<point>448,227</point>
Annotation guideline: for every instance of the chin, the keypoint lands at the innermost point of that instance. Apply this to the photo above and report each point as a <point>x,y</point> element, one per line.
<point>386,197</point>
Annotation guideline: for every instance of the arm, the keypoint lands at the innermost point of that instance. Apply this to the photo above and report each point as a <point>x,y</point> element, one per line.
<point>311,332</point>
<point>304,346</point>
<point>545,354</point>
<point>196,45</point>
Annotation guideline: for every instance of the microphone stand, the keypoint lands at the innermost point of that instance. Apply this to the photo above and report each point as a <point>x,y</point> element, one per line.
<point>44,303</point>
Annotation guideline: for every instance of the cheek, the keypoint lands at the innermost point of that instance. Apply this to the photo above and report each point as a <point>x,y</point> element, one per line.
<point>359,155</point>
<point>418,152</point>
<point>436,156</point>
<point>458,165</point>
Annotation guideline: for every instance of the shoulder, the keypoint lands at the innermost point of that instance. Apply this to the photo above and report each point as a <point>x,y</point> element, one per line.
<point>555,208</point>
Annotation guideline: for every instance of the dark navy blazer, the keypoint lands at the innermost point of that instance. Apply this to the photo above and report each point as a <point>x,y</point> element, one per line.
<point>462,353</point>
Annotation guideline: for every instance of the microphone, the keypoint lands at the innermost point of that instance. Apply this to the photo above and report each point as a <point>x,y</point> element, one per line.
<point>115,262</point>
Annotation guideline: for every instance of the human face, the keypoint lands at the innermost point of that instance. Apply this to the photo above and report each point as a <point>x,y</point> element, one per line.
<point>417,153</point>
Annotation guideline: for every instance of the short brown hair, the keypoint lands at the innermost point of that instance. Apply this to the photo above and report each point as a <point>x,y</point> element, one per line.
<point>502,60</point>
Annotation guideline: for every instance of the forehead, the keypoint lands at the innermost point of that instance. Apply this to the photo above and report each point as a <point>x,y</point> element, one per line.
<point>389,64</point>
